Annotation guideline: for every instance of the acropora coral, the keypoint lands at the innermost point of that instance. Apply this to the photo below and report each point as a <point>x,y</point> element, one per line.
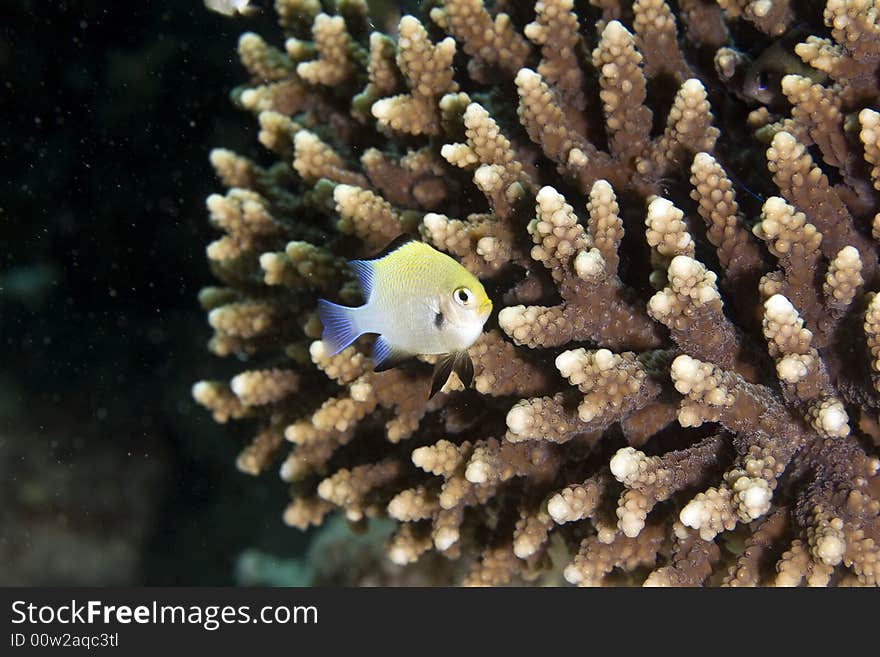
<point>675,212</point>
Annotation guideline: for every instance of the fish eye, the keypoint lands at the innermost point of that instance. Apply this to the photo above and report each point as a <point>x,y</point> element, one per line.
<point>463,296</point>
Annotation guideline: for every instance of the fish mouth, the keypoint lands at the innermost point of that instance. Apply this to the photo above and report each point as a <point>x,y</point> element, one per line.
<point>485,309</point>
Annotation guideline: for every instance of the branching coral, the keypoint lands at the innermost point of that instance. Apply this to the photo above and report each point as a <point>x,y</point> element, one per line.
<point>682,385</point>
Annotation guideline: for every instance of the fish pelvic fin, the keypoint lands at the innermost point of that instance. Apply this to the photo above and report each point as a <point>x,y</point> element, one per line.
<point>459,362</point>
<point>340,325</point>
<point>464,367</point>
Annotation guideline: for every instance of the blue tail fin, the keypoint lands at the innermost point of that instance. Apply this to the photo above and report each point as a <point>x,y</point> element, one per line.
<point>340,329</point>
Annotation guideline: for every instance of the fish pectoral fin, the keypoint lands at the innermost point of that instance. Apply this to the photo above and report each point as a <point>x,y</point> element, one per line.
<point>385,356</point>
<point>460,363</point>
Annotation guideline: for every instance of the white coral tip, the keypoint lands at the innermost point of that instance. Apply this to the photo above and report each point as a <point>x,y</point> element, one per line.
<point>568,360</point>
<point>659,207</point>
<point>625,464</point>
<point>684,369</point>
<point>834,420</point>
<point>830,549</point>
<point>604,359</point>
<point>525,76</point>
<point>779,308</point>
<point>558,509</point>
<point>694,514</point>
<point>477,472</point>
<point>791,368</point>
<point>381,109</point>
<point>589,264</point>
<point>518,418</point>
<point>547,195</point>
<point>756,498</point>
<point>631,524</point>
<point>398,556</point>
<point>434,221</point>
<point>317,350</point>
<point>684,266</point>
<point>445,538</point>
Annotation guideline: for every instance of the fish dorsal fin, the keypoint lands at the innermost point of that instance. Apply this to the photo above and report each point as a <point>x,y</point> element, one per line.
<point>365,269</point>
<point>395,244</point>
<point>385,356</point>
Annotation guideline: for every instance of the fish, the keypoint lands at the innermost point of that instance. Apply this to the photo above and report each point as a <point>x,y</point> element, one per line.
<point>762,78</point>
<point>419,301</point>
<point>231,7</point>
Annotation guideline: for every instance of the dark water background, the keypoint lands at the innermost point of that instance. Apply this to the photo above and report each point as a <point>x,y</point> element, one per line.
<point>109,473</point>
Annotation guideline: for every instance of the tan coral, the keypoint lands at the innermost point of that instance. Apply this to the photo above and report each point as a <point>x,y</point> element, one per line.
<point>303,513</point>
<point>314,159</point>
<point>257,456</point>
<point>649,480</point>
<point>666,232</point>
<point>332,43</point>
<point>870,135</point>
<point>690,306</point>
<point>692,402</point>
<point>428,71</point>
<point>369,216</point>
<point>558,238</point>
<point>546,124</point>
<point>262,61</point>
<point>843,279</point>
<point>489,153</point>
<point>693,561</point>
<point>232,169</point>
<point>806,187</point>
<point>623,91</point>
<point>689,130</point>
<point>417,179</point>
<point>606,227</point>
<point>556,29</point>
<point>217,397</point>
<point>797,244</point>
<point>656,34</point>
<point>276,131</point>
<point>595,560</point>
<point>872,332</point>
<point>818,110</point>
<point>614,384</point>
<point>714,192</point>
<point>770,16</point>
<point>489,42</point>
<point>261,387</point>
<point>578,501</point>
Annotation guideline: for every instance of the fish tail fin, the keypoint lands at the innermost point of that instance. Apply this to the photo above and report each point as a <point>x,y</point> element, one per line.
<point>340,325</point>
